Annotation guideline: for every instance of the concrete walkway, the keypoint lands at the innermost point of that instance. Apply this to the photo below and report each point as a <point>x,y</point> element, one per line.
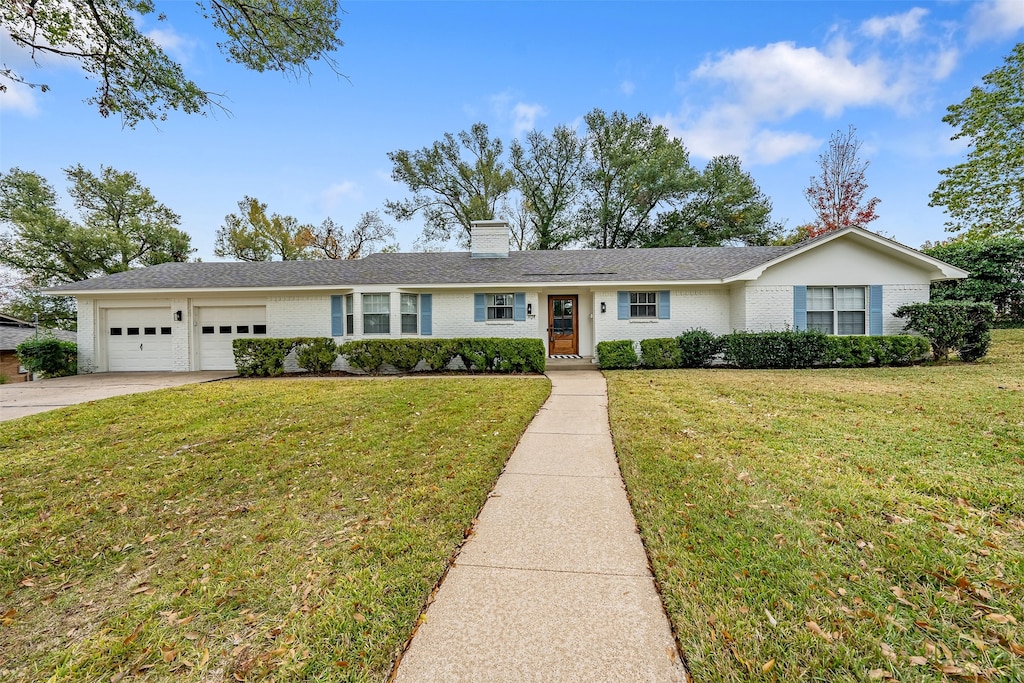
<point>28,398</point>
<point>553,585</point>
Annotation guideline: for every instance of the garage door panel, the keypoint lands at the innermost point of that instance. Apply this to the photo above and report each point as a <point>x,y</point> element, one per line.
<point>219,326</point>
<point>138,339</point>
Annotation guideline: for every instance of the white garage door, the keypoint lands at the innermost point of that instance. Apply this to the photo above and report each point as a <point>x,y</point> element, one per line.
<point>219,326</point>
<point>138,339</point>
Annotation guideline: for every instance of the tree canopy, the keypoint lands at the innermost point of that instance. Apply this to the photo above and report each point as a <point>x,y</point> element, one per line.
<point>726,207</point>
<point>996,265</point>
<point>837,194</point>
<point>984,196</point>
<point>548,172</point>
<point>252,235</point>
<point>137,79</point>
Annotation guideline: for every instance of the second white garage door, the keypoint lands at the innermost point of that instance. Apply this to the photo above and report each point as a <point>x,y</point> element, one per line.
<point>138,339</point>
<point>218,326</point>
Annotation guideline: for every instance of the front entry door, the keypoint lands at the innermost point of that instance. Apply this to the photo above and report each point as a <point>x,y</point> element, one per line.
<point>562,335</point>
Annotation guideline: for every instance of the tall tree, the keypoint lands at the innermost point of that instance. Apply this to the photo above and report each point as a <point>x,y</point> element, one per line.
<point>984,195</point>
<point>332,241</point>
<point>122,226</point>
<point>837,194</point>
<point>635,168</point>
<point>455,181</point>
<point>137,79</point>
<point>548,171</point>
<point>726,208</point>
<point>996,265</point>
<point>252,235</point>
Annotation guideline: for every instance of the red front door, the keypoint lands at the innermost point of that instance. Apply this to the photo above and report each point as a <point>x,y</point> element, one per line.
<point>562,335</point>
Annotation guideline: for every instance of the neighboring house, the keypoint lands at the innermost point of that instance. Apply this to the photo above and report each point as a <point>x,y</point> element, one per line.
<point>12,333</point>
<point>184,316</point>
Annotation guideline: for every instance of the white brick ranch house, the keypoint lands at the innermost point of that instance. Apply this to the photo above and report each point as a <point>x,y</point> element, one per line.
<point>184,316</point>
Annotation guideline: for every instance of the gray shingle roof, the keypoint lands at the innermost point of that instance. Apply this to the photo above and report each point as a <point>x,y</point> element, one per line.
<point>10,337</point>
<point>674,264</point>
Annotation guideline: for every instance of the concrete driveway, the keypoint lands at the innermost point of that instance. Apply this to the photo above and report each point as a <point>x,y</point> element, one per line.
<point>29,398</point>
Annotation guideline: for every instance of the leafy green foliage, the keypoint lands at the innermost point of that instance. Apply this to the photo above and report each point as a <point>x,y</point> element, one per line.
<point>548,172</point>
<point>262,357</point>
<point>137,80</point>
<point>984,195</point>
<point>316,354</point>
<point>697,348</point>
<point>497,354</point>
<point>48,356</point>
<point>949,325</point>
<point>660,353</point>
<point>122,226</point>
<point>726,207</point>
<point>617,355</point>
<point>775,350</point>
<point>484,354</point>
<point>859,351</point>
<point>252,235</point>
<point>820,526</point>
<point>332,241</point>
<point>996,265</point>
<point>449,189</point>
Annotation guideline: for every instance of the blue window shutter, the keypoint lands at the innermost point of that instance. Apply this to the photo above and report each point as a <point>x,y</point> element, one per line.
<point>623,305</point>
<point>800,307</point>
<point>664,304</point>
<point>426,314</point>
<point>875,310</point>
<point>519,307</point>
<point>337,316</point>
<point>479,308</point>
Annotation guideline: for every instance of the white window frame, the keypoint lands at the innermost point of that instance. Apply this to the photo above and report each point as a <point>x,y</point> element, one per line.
<point>836,324</point>
<point>500,306</point>
<point>381,313</point>
<point>410,313</point>
<point>643,300</point>
<point>350,314</point>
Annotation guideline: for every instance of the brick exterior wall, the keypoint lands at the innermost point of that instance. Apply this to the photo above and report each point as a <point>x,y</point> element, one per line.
<point>87,361</point>
<point>9,365</point>
<point>768,308</point>
<point>894,296</point>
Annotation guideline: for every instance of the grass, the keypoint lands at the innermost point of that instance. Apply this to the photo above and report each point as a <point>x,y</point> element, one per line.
<point>835,525</point>
<point>242,530</point>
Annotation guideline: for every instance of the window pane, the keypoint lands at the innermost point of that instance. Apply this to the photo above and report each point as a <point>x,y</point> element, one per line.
<point>568,307</point>
<point>409,323</point>
<point>634,297</point>
<point>149,330</point>
<point>165,330</point>
<point>225,329</point>
<point>850,298</point>
<point>207,329</point>
<point>133,330</point>
<point>819,299</point>
<point>115,331</point>
<point>376,323</point>
<point>851,322</point>
<point>242,329</point>
<point>556,305</point>
<point>820,321</point>
<point>259,329</point>
<point>409,303</point>
<point>499,313</point>
<point>376,303</point>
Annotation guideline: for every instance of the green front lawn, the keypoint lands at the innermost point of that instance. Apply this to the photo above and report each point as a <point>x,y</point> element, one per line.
<point>281,529</point>
<point>835,525</point>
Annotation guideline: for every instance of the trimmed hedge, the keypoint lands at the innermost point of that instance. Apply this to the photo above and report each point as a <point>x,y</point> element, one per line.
<point>316,354</point>
<point>952,325</point>
<point>49,356</point>
<point>660,353</point>
<point>697,348</point>
<point>775,350</point>
<point>616,355</point>
<point>262,357</point>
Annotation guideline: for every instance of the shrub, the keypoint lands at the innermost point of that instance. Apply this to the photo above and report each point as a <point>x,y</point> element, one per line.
<point>437,353</point>
<point>951,325</point>
<point>48,356</point>
<point>660,353</point>
<point>903,349</point>
<point>775,350</point>
<point>495,354</point>
<point>485,354</point>
<point>616,355</point>
<point>365,354</point>
<point>4,379</point>
<point>697,348</point>
<point>262,357</point>
<point>316,354</point>
<point>861,351</point>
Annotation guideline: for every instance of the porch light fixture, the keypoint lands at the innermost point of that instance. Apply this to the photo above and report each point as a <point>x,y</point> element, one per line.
<point>604,307</point>
<point>529,309</point>
<point>177,316</point>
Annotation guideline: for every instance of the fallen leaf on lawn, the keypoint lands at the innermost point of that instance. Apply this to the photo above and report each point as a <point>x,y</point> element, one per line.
<point>1001,618</point>
<point>149,538</point>
<point>878,674</point>
<point>205,658</point>
<point>816,630</point>
<point>768,666</point>
<point>951,669</point>
<point>134,635</point>
<point>1015,648</point>
<point>917,660</point>
<point>27,582</point>
<point>169,654</point>
<point>123,509</point>
<point>771,620</point>
<point>887,651</point>
<point>359,618</point>
<point>141,589</point>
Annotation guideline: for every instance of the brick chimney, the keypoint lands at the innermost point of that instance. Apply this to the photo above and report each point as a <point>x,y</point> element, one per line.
<point>489,239</point>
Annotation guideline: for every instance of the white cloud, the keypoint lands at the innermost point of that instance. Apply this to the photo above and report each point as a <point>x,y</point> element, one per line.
<point>995,19</point>
<point>524,117</point>
<point>332,197</point>
<point>945,61</point>
<point>907,25</point>
<point>173,43</point>
<point>20,98</point>
<point>627,87</point>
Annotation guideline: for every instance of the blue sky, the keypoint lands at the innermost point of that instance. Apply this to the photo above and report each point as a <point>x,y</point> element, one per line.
<point>769,81</point>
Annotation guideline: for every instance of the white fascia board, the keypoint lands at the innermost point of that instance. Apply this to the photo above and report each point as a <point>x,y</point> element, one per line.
<point>947,271</point>
<point>101,293</point>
